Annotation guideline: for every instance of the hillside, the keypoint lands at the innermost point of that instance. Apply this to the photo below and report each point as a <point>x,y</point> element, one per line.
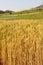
<point>40,7</point>
<point>33,9</point>
<point>34,13</point>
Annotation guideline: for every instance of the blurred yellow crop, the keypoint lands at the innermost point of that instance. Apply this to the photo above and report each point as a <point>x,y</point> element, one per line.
<point>21,42</point>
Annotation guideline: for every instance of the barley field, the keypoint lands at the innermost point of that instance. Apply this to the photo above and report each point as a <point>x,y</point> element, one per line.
<point>21,42</point>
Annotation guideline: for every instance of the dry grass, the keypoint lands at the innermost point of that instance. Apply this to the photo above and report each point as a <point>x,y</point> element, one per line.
<point>21,42</point>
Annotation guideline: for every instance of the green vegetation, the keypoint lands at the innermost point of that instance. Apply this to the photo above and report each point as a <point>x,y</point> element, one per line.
<point>27,14</point>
